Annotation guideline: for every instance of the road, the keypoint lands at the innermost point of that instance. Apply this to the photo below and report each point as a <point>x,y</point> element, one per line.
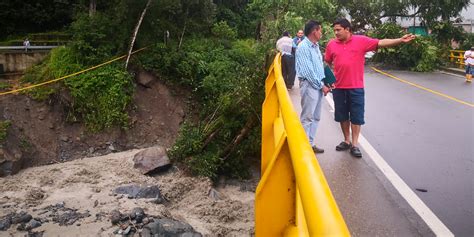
<point>427,137</point>
<point>419,126</point>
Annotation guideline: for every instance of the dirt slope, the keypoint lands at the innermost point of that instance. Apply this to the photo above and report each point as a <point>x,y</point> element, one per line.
<point>40,132</point>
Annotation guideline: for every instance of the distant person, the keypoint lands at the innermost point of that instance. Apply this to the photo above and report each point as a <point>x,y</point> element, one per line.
<point>310,70</point>
<point>469,61</point>
<point>284,45</point>
<point>26,44</point>
<point>297,40</point>
<point>346,53</point>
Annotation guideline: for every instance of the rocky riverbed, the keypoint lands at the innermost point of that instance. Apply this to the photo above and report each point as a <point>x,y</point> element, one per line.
<point>107,196</point>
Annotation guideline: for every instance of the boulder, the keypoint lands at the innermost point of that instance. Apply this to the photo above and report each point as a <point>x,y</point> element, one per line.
<point>21,217</point>
<point>137,192</point>
<point>169,227</point>
<point>115,217</point>
<point>5,223</point>
<point>151,159</point>
<point>145,78</point>
<point>11,161</point>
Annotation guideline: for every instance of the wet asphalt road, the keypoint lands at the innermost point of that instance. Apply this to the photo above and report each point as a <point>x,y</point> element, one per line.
<point>427,139</point>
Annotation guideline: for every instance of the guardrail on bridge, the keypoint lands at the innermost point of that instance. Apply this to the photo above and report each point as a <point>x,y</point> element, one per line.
<point>29,47</point>
<point>457,57</point>
<point>293,197</point>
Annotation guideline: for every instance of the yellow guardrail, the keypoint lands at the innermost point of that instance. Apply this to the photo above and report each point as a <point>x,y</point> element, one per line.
<point>293,197</point>
<point>457,57</point>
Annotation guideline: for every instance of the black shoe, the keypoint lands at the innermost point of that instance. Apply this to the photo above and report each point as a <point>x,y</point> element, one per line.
<point>355,152</point>
<point>343,146</point>
<point>317,149</point>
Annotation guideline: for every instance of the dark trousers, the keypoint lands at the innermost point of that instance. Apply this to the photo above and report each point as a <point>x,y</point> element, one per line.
<point>288,70</point>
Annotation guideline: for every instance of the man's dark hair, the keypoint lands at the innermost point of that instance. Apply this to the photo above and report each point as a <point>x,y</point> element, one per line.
<point>286,33</point>
<point>343,22</point>
<point>310,26</point>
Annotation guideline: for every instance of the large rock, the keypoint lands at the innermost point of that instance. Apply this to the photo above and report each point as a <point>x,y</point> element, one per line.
<point>145,78</point>
<point>153,158</point>
<point>11,161</point>
<point>169,227</point>
<point>5,222</point>
<point>138,191</point>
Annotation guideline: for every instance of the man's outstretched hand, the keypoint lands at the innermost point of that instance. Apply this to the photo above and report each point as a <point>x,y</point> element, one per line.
<point>407,38</point>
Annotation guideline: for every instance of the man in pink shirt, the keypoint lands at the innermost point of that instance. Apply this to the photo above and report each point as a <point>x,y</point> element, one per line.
<point>346,53</point>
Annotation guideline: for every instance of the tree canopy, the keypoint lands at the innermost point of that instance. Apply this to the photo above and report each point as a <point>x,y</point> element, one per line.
<point>371,13</point>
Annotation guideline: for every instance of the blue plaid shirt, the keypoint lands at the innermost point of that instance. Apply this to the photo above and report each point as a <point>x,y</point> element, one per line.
<point>309,63</point>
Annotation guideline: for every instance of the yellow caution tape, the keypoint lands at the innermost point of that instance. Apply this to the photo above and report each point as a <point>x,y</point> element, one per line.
<point>70,75</point>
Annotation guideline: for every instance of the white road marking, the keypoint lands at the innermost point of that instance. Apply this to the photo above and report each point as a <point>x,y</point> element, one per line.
<point>435,224</point>
<point>451,74</point>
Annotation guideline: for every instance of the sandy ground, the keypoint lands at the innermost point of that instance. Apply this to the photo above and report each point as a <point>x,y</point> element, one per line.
<point>87,184</point>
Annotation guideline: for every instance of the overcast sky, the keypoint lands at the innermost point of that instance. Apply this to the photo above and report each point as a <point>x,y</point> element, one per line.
<point>469,12</point>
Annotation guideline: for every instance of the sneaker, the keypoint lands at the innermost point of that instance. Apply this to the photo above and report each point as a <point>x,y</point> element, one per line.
<point>355,152</point>
<point>317,149</point>
<point>343,146</point>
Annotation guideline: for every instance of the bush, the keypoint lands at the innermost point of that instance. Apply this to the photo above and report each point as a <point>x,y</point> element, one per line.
<point>227,80</point>
<point>421,55</point>
<point>96,38</point>
<point>101,97</point>
<point>60,62</point>
<point>468,42</point>
<point>223,31</point>
<point>4,125</point>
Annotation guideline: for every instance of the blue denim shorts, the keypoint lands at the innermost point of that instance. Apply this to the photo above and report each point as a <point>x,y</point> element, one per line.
<point>349,105</point>
<point>470,69</point>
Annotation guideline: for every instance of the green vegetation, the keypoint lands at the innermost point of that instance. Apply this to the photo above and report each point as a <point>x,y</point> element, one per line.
<point>24,144</point>
<point>422,55</point>
<point>226,77</point>
<point>4,125</point>
<point>4,85</point>
<point>216,49</point>
<point>101,97</point>
<point>370,13</point>
<point>24,17</point>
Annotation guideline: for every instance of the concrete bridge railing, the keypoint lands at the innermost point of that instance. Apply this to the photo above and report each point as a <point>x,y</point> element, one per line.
<point>14,59</point>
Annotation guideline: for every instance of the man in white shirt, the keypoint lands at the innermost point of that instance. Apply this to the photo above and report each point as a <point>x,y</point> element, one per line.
<point>26,43</point>
<point>284,45</point>
<point>469,61</point>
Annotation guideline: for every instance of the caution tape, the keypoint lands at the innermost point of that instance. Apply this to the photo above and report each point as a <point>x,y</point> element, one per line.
<point>70,75</point>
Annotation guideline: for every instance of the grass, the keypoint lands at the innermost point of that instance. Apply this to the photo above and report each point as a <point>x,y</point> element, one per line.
<point>4,125</point>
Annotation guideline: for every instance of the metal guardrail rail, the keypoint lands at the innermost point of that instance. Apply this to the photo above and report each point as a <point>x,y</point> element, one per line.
<point>292,197</point>
<point>23,47</point>
<point>457,57</point>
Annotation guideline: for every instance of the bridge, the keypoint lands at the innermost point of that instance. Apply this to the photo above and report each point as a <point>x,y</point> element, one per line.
<point>14,60</point>
<point>402,186</point>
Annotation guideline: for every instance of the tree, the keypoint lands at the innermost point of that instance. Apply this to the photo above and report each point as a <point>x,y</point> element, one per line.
<point>290,15</point>
<point>369,13</point>
<point>20,17</point>
<point>92,7</point>
<point>431,11</point>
